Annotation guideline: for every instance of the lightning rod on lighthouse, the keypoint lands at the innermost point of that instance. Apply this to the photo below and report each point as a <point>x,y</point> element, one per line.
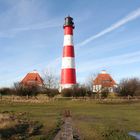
<point>68,72</point>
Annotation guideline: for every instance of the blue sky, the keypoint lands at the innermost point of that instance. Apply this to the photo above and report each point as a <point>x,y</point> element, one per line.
<point>106,36</point>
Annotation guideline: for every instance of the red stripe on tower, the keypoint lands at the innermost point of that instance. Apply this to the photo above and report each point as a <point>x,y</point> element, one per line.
<point>68,51</point>
<point>68,72</point>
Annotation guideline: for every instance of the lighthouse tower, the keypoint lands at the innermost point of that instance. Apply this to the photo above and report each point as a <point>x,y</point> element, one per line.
<point>68,73</point>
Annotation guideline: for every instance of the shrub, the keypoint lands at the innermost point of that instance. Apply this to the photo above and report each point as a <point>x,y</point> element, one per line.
<point>75,92</point>
<point>90,93</point>
<point>50,92</point>
<point>7,91</point>
<point>104,93</point>
<point>67,92</point>
<point>4,91</point>
<point>129,87</point>
<point>27,90</point>
<point>81,91</point>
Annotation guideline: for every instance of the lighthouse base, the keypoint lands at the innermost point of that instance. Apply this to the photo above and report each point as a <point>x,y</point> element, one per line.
<point>65,86</point>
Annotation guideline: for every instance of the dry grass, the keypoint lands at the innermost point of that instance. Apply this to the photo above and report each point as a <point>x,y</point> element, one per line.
<point>24,99</point>
<point>6,121</point>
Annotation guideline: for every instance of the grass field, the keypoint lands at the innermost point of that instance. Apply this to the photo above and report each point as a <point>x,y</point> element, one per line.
<point>94,121</point>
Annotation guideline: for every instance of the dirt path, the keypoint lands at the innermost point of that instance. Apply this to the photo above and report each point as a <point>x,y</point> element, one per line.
<point>67,131</point>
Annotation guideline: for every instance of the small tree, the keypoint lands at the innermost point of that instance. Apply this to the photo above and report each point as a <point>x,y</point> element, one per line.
<point>104,93</point>
<point>74,92</point>
<point>22,90</point>
<point>6,91</point>
<point>129,87</point>
<point>79,91</point>
<point>89,81</point>
<point>82,91</point>
<point>51,80</point>
<point>67,92</point>
<point>137,92</point>
<point>50,92</point>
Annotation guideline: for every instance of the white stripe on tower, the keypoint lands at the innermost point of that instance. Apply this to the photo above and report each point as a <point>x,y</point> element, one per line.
<point>67,86</point>
<point>68,62</point>
<point>68,40</point>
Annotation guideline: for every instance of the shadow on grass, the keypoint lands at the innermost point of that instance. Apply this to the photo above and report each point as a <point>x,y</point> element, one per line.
<point>116,134</point>
<point>19,130</point>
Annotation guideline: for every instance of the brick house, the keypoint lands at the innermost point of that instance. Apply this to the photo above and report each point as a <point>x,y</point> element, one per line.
<point>32,78</point>
<point>104,81</point>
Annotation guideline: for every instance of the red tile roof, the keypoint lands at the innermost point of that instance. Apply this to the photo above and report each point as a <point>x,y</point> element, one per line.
<point>32,78</point>
<point>105,80</point>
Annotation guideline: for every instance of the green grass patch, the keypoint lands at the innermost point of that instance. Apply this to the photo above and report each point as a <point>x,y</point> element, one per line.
<point>92,120</point>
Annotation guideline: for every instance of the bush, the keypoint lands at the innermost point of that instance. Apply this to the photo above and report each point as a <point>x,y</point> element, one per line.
<point>74,92</point>
<point>104,93</point>
<point>78,92</point>
<point>67,92</point>
<point>50,92</point>
<point>129,87</point>
<point>90,93</point>
<point>7,91</point>
<point>27,90</point>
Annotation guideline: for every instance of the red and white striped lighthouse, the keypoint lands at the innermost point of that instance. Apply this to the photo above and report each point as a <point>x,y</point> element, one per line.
<point>68,72</point>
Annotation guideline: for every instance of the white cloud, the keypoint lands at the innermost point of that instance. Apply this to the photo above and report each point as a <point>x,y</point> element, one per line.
<point>12,32</point>
<point>110,46</point>
<point>109,62</point>
<point>130,17</point>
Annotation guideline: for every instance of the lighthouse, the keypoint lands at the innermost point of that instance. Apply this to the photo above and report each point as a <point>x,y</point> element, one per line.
<point>68,72</point>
